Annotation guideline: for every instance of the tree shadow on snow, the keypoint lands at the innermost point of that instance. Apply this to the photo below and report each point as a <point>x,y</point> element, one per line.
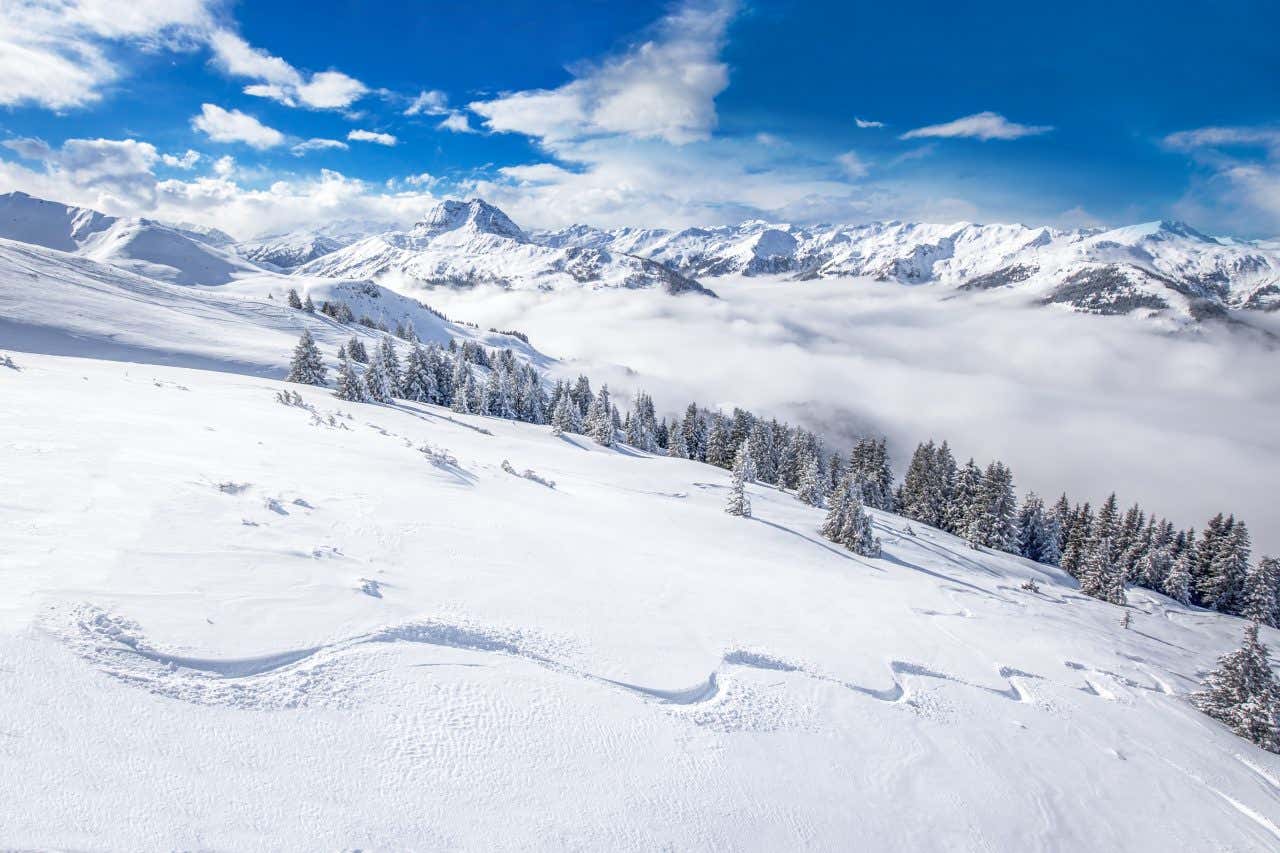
<point>819,543</point>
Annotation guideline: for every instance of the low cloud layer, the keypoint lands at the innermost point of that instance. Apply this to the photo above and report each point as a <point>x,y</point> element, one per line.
<point>1182,423</point>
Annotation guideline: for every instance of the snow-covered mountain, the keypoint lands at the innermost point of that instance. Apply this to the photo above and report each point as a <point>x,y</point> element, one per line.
<point>150,248</point>
<point>1154,266</point>
<point>469,243</point>
<point>292,249</point>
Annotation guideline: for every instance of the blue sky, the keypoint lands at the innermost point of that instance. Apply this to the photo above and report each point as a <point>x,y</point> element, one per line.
<point>701,111</point>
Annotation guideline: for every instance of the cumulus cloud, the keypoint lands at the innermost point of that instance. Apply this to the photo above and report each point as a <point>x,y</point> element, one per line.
<point>53,54</point>
<point>855,357</point>
<point>279,81</point>
<point>866,123</point>
<point>318,144</point>
<point>984,126</point>
<point>430,103</point>
<point>662,87</point>
<point>184,161</point>
<point>457,122</point>
<point>372,136</point>
<point>116,171</point>
<point>234,126</point>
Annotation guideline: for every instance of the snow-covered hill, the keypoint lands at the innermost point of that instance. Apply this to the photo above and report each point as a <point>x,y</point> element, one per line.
<point>52,301</point>
<point>150,248</point>
<point>1159,266</point>
<point>230,622</point>
<point>469,243</point>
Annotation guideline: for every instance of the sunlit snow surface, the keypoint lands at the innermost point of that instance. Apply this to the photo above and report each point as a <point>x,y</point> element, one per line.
<point>232,623</point>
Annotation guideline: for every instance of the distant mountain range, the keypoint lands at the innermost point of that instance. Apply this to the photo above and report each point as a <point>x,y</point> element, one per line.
<point>1160,268</point>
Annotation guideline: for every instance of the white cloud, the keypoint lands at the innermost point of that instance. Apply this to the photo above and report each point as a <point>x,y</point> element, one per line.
<point>662,87</point>
<point>853,165</point>
<point>278,80</point>
<point>114,171</point>
<point>430,103</point>
<point>912,363</point>
<point>1238,180</point>
<point>52,54</point>
<point>234,126</point>
<point>424,179</point>
<point>457,122</point>
<point>224,166</point>
<point>1226,137</point>
<point>865,123</point>
<point>372,136</point>
<point>185,161</point>
<point>317,144</point>
<point>984,126</point>
<point>769,139</point>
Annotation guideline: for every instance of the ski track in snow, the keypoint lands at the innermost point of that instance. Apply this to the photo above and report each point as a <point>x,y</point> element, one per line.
<point>329,674</point>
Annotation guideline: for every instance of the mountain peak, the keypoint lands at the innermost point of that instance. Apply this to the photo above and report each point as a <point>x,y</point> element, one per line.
<point>475,215</point>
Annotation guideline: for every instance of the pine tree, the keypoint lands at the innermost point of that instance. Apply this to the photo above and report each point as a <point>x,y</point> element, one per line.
<point>565,418</point>
<point>308,305</point>
<point>1077,544</point>
<point>1262,593</point>
<point>695,434</point>
<point>349,386</point>
<point>810,490</point>
<point>376,386</point>
<point>599,423</point>
<point>1036,537</point>
<point>995,508</point>
<point>1100,577</point>
<point>293,300</point>
<point>1177,583</point>
<point>1223,587</point>
<point>848,524</point>
<point>739,503</point>
<point>719,452</point>
<point>419,382</point>
<point>676,446</point>
<point>356,350</point>
<point>966,506</point>
<point>390,364</point>
<point>1242,693</point>
<point>306,366</point>
<point>872,477</point>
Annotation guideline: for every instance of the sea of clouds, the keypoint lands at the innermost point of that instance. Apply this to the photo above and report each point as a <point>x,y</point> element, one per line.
<point>1184,422</point>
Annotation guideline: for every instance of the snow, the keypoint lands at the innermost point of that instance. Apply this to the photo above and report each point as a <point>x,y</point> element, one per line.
<point>191,656</point>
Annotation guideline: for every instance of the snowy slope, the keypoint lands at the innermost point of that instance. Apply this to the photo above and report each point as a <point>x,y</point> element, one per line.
<point>469,243</point>
<point>295,248</point>
<point>52,301</point>
<point>143,246</point>
<point>231,623</point>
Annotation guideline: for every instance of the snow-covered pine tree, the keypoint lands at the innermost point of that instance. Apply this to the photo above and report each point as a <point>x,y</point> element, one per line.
<point>719,452</point>
<point>356,350</point>
<point>1107,524</point>
<point>676,447</point>
<point>1034,537</point>
<point>1099,576</point>
<point>390,364</point>
<point>762,454</point>
<point>293,300</point>
<point>739,503</point>
<point>810,489</point>
<point>308,305</point>
<point>1242,693</point>
<point>1061,517</point>
<point>599,424</point>
<point>872,476</point>
<point>964,511</point>
<point>376,386</point>
<point>419,381</point>
<point>349,387</point>
<point>999,506</point>
<point>565,418</point>
<point>1223,587</point>
<point>1077,543</point>
<point>695,434</point>
<point>1177,583</point>
<point>1262,592</point>
<point>306,366</point>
